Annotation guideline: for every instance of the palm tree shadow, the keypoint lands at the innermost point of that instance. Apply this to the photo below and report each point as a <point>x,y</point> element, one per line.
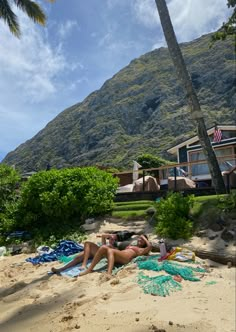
<point>34,310</point>
<point>19,286</point>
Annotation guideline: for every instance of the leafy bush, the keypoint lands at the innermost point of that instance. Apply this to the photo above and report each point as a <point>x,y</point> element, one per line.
<point>8,182</point>
<point>228,202</point>
<point>173,216</point>
<point>150,161</point>
<point>53,201</point>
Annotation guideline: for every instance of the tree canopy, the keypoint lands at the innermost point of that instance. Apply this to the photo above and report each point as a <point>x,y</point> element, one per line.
<point>228,28</point>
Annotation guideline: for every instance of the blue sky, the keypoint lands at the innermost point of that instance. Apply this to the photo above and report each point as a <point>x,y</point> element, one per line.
<point>84,43</point>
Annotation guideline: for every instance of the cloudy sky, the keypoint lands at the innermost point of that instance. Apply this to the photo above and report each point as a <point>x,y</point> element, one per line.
<point>84,43</point>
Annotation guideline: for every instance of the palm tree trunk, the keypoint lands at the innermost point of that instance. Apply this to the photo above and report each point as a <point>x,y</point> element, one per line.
<point>196,112</point>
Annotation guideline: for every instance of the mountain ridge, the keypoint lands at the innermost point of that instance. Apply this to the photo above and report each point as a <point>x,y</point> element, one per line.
<point>142,108</point>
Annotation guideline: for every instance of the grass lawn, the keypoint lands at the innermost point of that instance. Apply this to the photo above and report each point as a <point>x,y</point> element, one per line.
<point>130,210</point>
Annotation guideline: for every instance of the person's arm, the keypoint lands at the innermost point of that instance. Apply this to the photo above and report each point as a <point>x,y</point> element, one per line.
<point>105,237</point>
<point>148,248</point>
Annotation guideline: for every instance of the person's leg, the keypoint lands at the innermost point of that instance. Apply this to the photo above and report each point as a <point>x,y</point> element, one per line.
<point>90,250</point>
<point>113,256</point>
<point>78,259</point>
<point>111,261</point>
<point>102,252</point>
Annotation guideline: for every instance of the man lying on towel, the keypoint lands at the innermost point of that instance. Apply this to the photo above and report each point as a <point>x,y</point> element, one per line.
<point>114,256</point>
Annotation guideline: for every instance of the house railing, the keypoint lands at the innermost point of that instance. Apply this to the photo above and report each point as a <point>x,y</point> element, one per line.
<point>175,170</point>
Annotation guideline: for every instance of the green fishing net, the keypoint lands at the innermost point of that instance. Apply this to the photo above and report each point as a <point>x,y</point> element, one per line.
<point>164,284</point>
<point>158,285</point>
<point>172,268</point>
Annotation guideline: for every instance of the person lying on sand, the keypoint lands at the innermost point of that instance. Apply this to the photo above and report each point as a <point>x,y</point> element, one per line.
<point>91,250</point>
<point>125,256</point>
<point>116,237</point>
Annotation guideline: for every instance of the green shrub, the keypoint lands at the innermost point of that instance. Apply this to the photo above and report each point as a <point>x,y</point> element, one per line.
<point>53,201</point>
<point>150,161</point>
<point>227,202</point>
<point>9,179</point>
<point>8,182</point>
<point>173,216</point>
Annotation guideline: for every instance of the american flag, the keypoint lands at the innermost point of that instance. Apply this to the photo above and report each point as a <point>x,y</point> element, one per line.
<point>217,135</point>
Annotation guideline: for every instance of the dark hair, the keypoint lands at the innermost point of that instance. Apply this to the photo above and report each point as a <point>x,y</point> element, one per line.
<point>145,244</point>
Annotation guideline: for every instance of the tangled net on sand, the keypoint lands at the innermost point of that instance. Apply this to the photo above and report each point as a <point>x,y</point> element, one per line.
<point>164,284</point>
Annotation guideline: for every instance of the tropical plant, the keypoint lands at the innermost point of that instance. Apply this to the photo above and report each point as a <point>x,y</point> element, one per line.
<point>9,178</point>
<point>194,104</point>
<point>52,202</point>
<point>228,28</point>
<point>31,8</point>
<point>149,161</point>
<point>173,216</point>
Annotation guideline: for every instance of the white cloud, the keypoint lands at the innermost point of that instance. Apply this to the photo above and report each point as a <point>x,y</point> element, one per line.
<point>112,3</point>
<point>190,18</point>
<point>74,85</point>
<point>66,28</point>
<point>30,64</point>
<point>33,61</point>
<point>34,75</point>
<point>145,12</point>
<point>106,39</point>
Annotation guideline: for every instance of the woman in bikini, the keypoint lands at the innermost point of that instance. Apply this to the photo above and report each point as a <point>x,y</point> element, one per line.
<point>91,250</point>
<point>121,257</point>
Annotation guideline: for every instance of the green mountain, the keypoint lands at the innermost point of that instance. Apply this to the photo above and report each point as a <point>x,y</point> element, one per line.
<point>140,109</point>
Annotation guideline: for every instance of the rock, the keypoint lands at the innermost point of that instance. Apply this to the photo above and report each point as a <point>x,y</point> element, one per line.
<point>216,227</point>
<point>151,211</point>
<point>212,237</point>
<point>171,323</point>
<point>229,265</point>
<point>228,235</point>
<point>202,233</point>
<point>89,221</point>
<point>155,246</point>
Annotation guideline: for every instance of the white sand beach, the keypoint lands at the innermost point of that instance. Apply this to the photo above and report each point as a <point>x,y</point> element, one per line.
<point>31,300</point>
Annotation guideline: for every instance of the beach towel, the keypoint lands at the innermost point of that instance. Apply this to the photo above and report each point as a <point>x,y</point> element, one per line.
<point>75,270</point>
<point>65,248</point>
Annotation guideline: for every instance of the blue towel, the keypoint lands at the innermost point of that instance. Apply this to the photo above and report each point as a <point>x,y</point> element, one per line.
<point>65,248</point>
<point>75,270</point>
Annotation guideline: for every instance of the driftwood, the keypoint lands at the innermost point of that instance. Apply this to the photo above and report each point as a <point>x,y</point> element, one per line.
<point>219,256</point>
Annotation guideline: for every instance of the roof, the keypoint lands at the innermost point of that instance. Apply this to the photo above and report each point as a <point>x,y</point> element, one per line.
<point>193,139</point>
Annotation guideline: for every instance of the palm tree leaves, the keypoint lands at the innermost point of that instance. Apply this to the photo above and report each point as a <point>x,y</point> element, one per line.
<point>9,17</point>
<point>31,8</point>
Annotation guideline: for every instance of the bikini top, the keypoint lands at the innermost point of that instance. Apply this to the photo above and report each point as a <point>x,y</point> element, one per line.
<point>134,248</point>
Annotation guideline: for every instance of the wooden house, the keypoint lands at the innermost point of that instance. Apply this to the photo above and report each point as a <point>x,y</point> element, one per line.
<point>191,159</point>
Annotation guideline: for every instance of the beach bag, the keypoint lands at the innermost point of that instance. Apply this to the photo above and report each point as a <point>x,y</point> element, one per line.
<point>181,255</point>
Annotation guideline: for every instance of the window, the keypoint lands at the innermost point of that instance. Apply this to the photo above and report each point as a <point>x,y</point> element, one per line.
<point>202,169</point>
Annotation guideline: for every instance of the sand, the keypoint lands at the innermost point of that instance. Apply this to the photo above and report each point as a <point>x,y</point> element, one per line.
<point>31,300</point>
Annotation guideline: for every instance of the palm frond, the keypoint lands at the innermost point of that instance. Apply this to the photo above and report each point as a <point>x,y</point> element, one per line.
<point>33,10</point>
<point>9,17</point>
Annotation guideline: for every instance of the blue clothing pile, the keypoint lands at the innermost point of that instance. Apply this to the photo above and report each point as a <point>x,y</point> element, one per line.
<point>65,248</point>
